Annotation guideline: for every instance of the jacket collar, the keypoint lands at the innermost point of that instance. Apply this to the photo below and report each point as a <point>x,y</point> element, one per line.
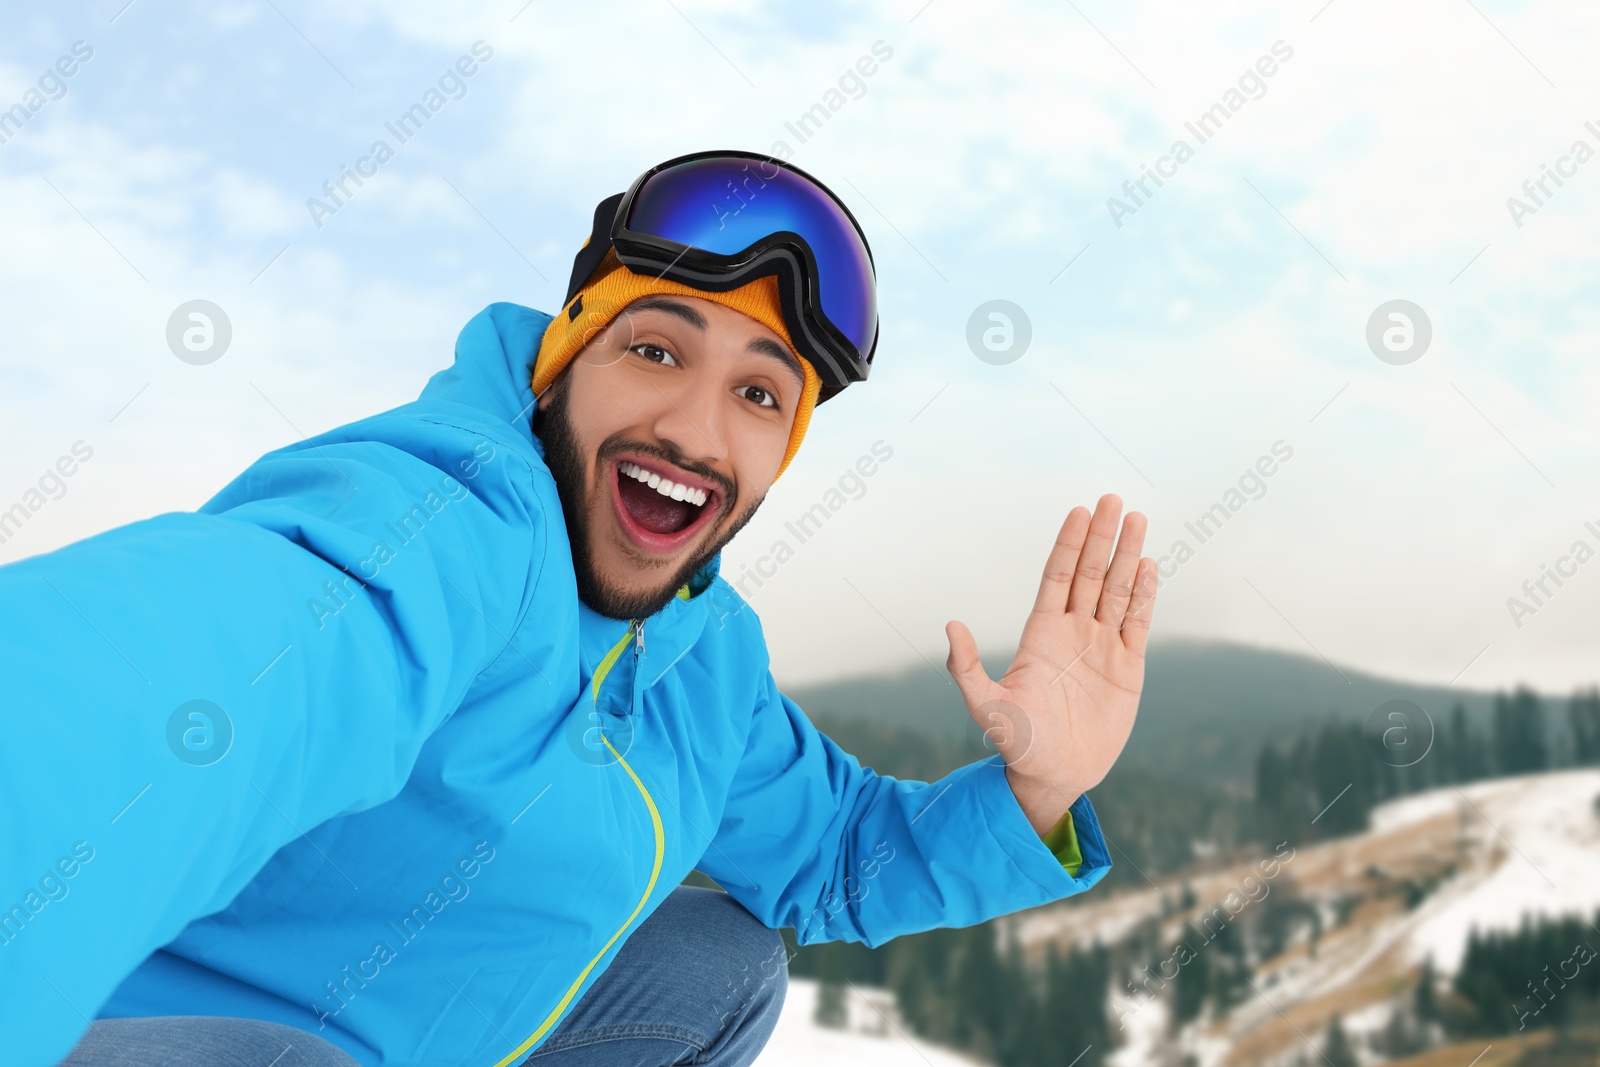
<point>493,374</point>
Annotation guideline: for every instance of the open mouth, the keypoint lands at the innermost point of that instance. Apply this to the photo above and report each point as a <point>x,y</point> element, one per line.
<point>658,513</point>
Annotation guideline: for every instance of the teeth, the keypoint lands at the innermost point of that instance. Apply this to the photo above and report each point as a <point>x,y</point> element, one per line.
<point>664,486</point>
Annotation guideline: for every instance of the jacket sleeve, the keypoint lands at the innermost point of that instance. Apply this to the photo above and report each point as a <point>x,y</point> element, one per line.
<point>186,694</point>
<point>812,840</point>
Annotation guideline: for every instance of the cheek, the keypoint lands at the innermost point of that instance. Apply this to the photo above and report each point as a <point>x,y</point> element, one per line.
<point>760,446</point>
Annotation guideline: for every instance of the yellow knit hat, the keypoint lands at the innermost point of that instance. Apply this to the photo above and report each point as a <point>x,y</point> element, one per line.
<point>613,287</point>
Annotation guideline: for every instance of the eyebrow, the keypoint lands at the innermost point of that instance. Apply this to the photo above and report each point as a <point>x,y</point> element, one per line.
<point>765,346</point>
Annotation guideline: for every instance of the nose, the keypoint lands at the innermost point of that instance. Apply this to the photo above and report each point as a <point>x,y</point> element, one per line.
<point>692,419</point>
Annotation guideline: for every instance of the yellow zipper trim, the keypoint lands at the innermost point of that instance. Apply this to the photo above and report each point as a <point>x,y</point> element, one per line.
<point>655,873</point>
<point>605,668</point>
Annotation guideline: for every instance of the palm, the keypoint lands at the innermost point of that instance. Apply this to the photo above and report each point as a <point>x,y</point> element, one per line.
<point>1062,711</point>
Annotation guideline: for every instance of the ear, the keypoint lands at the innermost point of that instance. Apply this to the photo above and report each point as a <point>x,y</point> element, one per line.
<point>545,398</point>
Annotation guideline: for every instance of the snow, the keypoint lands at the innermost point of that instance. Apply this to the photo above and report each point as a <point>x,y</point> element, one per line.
<point>1525,845</point>
<point>1142,1027</point>
<point>1106,920</point>
<point>1408,811</point>
<point>1547,835</point>
<point>873,1035</point>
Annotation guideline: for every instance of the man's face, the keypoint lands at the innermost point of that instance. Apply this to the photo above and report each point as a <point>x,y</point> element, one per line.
<point>683,393</point>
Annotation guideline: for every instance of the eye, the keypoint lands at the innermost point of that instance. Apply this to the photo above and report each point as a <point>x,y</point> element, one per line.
<point>654,353</point>
<point>759,395</point>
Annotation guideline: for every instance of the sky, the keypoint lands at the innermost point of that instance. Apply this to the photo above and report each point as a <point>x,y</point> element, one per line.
<point>1183,338</point>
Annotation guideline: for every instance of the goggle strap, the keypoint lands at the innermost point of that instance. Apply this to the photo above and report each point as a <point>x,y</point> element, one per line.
<point>590,255</point>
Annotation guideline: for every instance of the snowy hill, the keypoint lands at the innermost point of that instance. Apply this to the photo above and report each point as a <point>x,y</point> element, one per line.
<point>1543,858</point>
<point>1432,867</point>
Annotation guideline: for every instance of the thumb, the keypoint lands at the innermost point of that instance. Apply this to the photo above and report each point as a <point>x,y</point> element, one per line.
<point>965,668</point>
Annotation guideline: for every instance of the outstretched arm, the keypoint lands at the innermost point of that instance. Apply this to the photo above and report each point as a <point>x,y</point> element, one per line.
<point>813,840</point>
<point>186,694</point>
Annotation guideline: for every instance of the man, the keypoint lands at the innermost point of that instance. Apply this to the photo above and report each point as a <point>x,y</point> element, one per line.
<point>397,750</point>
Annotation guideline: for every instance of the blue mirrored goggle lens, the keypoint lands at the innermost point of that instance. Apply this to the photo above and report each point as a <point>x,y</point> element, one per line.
<point>726,204</point>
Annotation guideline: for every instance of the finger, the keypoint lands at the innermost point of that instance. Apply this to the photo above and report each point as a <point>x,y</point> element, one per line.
<point>1090,572</point>
<point>1136,624</point>
<point>965,668</point>
<point>1124,565</point>
<point>1052,598</point>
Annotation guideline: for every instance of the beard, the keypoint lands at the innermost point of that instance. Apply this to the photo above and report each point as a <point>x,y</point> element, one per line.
<point>566,461</point>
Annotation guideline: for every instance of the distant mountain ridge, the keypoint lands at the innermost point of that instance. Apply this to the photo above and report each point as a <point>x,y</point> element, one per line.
<point>1207,705</point>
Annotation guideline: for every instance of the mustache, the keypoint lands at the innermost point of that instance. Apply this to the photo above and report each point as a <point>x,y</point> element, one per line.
<point>614,446</point>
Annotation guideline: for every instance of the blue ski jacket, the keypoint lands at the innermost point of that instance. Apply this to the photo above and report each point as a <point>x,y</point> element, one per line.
<point>343,750</point>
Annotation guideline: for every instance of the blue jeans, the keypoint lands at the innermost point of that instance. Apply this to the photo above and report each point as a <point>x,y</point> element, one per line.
<point>701,981</point>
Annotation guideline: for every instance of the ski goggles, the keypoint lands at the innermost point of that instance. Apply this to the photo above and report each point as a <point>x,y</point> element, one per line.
<point>718,220</point>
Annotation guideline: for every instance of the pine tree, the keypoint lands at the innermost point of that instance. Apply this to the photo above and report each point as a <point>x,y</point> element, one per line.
<point>919,972</point>
<point>1467,748</point>
<point>1015,1029</point>
<point>1401,1036</point>
<point>1191,990</point>
<point>1342,773</point>
<point>1426,1004</point>
<point>979,992</point>
<point>1336,1047</point>
<point>1583,718</point>
<point>1439,767</point>
<point>1075,1008</point>
<point>1519,733</point>
<point>1227,966</point>
<point>1270,788</point>
<point>831,1009</point>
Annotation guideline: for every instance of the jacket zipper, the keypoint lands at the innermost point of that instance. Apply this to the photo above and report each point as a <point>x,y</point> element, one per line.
<point>636,629</point>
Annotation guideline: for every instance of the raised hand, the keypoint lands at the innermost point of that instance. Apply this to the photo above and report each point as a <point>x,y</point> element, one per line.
<point>1061,713</point>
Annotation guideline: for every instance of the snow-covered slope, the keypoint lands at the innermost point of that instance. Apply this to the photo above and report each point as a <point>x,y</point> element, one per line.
<point>1490,853</point>
<point>1540,840</point>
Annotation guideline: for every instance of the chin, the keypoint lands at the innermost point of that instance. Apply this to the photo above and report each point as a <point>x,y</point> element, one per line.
<point>617,601</point>
<point>620,580</point>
